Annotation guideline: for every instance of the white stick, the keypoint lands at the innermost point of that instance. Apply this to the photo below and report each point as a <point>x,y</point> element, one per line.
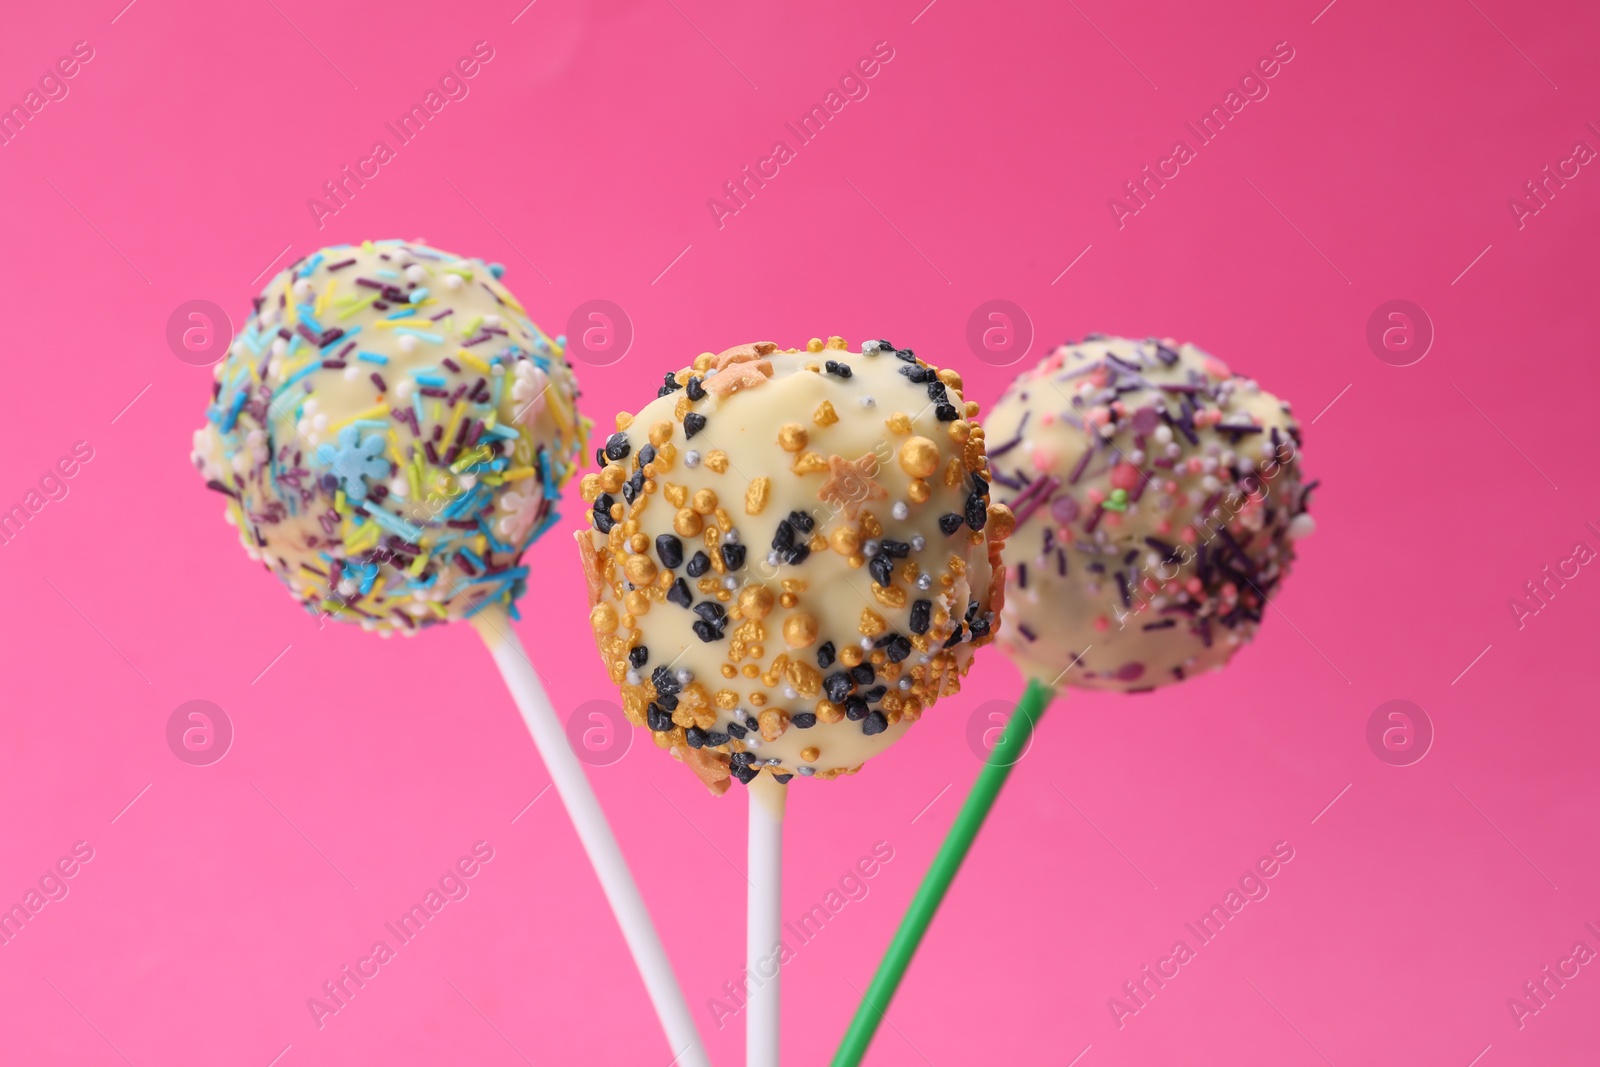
<point>590,820</point>
<point>764,922</point>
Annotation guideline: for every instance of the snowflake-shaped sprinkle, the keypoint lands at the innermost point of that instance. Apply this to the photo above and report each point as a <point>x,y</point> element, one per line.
<point>354,460</point>
<point>527,391</point>
<point>521,512</point>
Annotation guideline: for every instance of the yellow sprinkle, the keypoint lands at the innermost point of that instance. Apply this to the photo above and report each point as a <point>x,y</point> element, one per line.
<point>472,326</point>
<point>339,504</point>
<point>516,473</point>
<point>378,412</point>
<point>455,422</point>
<point>322,301</point>
<point>416,567</point>
<point>357,306</point>
<point>389,324</point>
<point>437,609</point>
<point>472,361</point>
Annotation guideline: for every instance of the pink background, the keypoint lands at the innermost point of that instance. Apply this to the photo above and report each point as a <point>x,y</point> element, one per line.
<point>1379,167</point>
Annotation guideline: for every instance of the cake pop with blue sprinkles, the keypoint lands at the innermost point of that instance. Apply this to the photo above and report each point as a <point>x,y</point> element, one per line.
<point>392,431</point>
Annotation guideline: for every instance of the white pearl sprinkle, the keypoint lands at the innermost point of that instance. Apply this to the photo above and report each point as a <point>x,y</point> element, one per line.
<point>868,402</point>
<point>691,458</point>
<point>416,273</point>
<point>918,542</point>
<point>900,511</point>
<point>685,676</point>
<point>865,643</point>
<point>869,547</point>
<point>633,678</point>
<point>408,343</point>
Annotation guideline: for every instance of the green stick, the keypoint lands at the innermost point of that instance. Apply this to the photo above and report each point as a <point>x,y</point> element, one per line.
<point>1013,743</point>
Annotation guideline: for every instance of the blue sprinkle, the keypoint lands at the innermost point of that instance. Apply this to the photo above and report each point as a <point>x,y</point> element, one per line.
<point>498,270</point>
<point>426,336</point>
<point>370,357</point>
<point>418,295</point>
<point>384,272</point>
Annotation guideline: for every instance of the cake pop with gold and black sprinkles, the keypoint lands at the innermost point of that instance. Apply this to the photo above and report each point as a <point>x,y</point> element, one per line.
<point>792,555</point>
<point>392,431</point>
<point>1158,497</point>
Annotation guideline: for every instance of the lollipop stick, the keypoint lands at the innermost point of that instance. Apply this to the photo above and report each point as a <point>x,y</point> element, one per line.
<point>764,921</point>
<point>1010,748</point>
<point>595,833</point>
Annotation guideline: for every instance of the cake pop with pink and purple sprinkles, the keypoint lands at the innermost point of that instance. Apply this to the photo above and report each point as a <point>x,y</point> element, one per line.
<point>1158,498</point>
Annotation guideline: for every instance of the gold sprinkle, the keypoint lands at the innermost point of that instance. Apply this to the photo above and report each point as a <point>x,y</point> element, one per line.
<point>641,570</point>
<point>681,408</point>
<point>624,420</point>
<point>955,472</point>
<point>677,495</point>
<point>703,361</point>
<point>850,656</point>
<point>837,343</point>
<point>814,345</point>
<point>773,721</point>
<point>951,379</point>
<point>918,491</point>
<point>708,585</point>
<point>805,678</point>
<point>971,410</point>
<point>844,540</point>
<point>788,600</point>
<point>717,460</point>
<point>661,433</point>
<point>638,543</point>
<point>810,754</point>
<point>687,522</point>
<point>589,487</point>
<point>603,619</point>
<point>872,623</point>
<point>758,699</point>
<point>794,585</point>
<point>755,601</point>
<point>799,630</point>
<point>919,457</point>
<point>1001,522</point>
<point>891,597</point>
<point>829,712</point>
<point>899,422</point>
<point>755,497</point>
<point>825,415</point>
<point>726,699</point>
<point>637,603</point>
<point>729,671</point>
<point>750,670</point>
<point>792,437</point>
<point>611,478</point>
<point>705,501</point>
<point>809,463</point>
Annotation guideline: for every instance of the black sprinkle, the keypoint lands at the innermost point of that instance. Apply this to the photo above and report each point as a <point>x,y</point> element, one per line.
<point>733,556</point>
<point>737,731</point>
<point>837,686</point>
<point>679,594</point>
<point>695,736</point>
<point>657,719</point>
<point>647,455</point>
<point>802,521</point>
<point>695,390</point>
<point>875,694</point>
<point>699,563</point>
<point>855,709</point>
<point>670,551</point>
<point>665,681</point>
<point>716,737</point>
<point>899,648</point>
<point>803,720</point>
<point>711,612</point>
<point>874,723</point>
<point>881,568</point>
<point>693,423</point>
<point>950,522</point>
<point>905,355</point>
<point>638,656</point>
<point>946,413</point>
<point>921,616</point>
<point>826,655</point>
<point>897,549</point>
<point>977,511</point>
<point>669,384</point>
<point>840,369</point>
<point>863,673</point>
<point>617,446</point>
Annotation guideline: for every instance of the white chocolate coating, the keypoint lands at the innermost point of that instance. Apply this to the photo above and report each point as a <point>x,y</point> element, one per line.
<point>391,431</point>
<point>1157,498</point>
<point>773,587</point>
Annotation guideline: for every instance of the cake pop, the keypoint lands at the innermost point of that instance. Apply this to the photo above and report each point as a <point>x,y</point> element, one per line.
<point>1158,498</point>
<point>792,555</point>
<point>391,431</point>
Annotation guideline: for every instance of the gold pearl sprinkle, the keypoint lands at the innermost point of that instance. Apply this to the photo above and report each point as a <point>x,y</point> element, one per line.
<point>637,603</point>
<point>960,430</point>
<point>850,656</point>
<point>624,420</point>
<point>638,543</point>
<point>951,379</point>
<point>799,630</point>
<point>918,491</point>
<point>755,601</point>
<point>792,437</point>
<point>603,619</point>
<point>788,600</point>
<point>814,345</point>
<point>825,415</point>
<point>611,478</point>
<point>704,501</point>
<point>729,671</point>
<point>810,754</point>
<point>919,457</point>
<point>687,522</point>
<point>641,570</point>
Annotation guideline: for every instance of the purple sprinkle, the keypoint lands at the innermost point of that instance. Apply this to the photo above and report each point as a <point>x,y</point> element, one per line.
<point>377,379</point>
<point>1064,509</point>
